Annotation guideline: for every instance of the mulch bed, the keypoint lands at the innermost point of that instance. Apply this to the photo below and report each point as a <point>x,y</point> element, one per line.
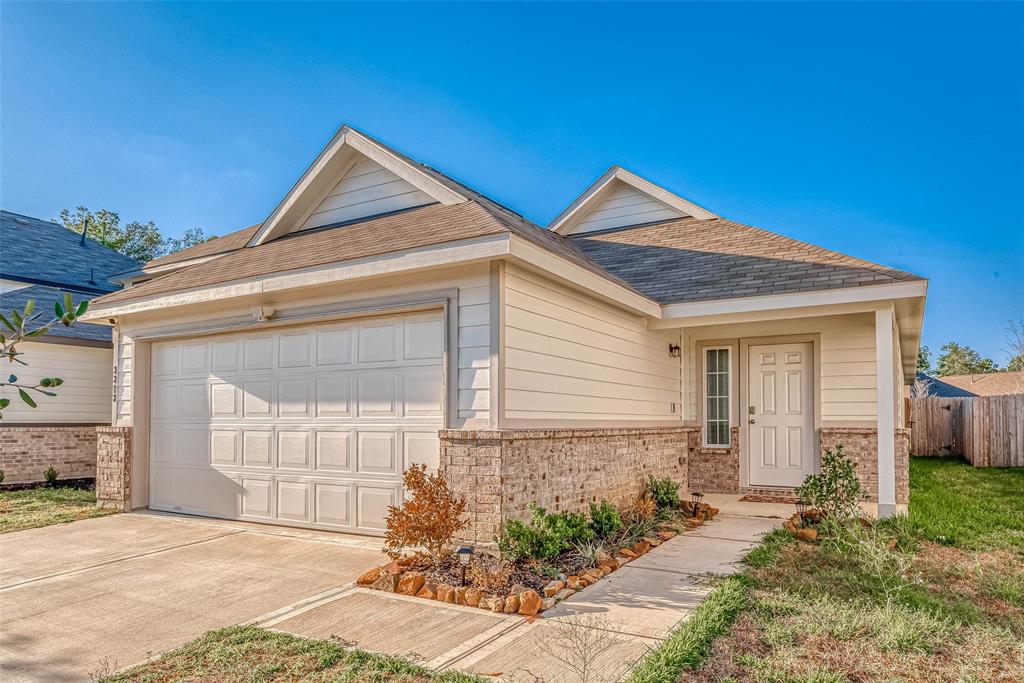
<point>83,484</point>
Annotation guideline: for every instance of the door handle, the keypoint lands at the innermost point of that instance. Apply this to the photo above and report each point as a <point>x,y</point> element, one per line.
<point>752,420</point>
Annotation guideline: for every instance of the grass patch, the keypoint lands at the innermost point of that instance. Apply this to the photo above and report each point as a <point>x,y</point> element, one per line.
<point>956,504</point>
<point>934,597</point>
<point>255,655</point>
<point>30,508</point>
<point>691,642</point>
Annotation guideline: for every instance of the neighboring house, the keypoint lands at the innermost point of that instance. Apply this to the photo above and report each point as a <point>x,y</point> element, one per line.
<point>988,384</point>
<point>384,314</point>
<point>41,261</point>
<point>934,386</point>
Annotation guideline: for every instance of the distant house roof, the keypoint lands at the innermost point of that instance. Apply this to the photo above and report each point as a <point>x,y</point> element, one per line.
<point>937,387</point>
<point>42,252</point>
<point>988,384</point>
<point>53,260</point>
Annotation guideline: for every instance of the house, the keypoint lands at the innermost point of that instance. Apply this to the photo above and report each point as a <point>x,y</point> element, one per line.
<point>988,384</point>
<point>385,314</point>
<point>933,386</point>
<point>41,261</point>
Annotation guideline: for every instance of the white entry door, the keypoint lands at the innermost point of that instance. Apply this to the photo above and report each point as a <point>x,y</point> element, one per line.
<point>780,417</point>
<point>308,426</point>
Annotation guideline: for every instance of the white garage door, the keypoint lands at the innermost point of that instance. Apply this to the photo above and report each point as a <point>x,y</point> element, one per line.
<point>310,426</point>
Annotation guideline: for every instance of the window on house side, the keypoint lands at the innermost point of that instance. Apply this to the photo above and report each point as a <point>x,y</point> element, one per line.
<point>716,391</point>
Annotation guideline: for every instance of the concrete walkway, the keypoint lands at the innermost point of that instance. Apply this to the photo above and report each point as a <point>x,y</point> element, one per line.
<point>604,629</point>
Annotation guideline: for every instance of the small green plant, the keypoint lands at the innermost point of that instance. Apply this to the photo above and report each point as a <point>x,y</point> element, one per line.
<point>2,476</point>
<point>665,492</point>
<point>543,536</point>
<point>51,476</point>
<point>605,519</point>
<point>836,491</point>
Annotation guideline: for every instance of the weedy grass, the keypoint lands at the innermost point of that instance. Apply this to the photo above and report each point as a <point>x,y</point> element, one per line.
<point>43,506</point>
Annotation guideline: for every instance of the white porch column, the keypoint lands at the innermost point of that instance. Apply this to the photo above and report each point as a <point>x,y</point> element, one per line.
<point>885,377</point>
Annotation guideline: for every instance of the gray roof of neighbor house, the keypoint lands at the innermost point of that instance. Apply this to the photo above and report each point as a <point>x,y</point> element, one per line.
<point>42,252</point>
<point>988,384</point>
<point>936,387</point>
<point>53,260</point>
<point>688,260</point>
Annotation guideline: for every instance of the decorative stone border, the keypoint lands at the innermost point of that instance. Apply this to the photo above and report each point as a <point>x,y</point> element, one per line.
<point>395,577</point>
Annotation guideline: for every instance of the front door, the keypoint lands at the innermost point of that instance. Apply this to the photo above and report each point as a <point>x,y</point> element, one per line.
<point>780,414</point>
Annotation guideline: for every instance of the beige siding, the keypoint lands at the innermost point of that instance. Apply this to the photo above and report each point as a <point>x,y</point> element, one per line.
<point>847,349</point>
<point>570,357</point>
<point>83,398</point>
<point>367,189</point>
<point>625,205</point>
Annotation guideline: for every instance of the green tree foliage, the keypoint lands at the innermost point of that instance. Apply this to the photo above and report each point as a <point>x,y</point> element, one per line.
<point>924,359</point>
<point>963,360</point>
<point>140,241</point>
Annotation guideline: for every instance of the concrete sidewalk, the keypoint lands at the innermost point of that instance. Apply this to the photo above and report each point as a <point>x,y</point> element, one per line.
<point>605,628</point>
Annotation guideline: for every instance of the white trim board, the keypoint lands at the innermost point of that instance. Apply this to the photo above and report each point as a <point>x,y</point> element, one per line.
<point>566,221</point>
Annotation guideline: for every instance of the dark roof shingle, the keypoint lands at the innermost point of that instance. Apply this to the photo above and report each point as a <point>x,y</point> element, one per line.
<point>45,298</point>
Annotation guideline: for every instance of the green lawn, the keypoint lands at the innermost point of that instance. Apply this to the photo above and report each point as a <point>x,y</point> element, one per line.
<point>934,597</point>
<point>247,653</point>
<point>43,506</point>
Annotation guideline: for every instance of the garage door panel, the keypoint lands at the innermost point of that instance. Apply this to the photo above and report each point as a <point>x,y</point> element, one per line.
<point>293,397</point>
<point>377,394</point>
<point>372,504</point>
<point>334,396</point>
<point>334,451</point>
<point>293,500</point>
<point>294,349</point>
<point>293,449</point>
<point>257,448</point>
<point>311,426</point>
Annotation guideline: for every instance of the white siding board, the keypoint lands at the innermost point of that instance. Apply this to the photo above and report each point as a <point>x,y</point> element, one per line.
<point>84,397</point>
<point>625,206</point>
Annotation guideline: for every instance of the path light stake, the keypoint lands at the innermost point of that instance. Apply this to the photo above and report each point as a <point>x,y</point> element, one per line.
<point>801,508</point>
<point>465,553</point>
<point>696,496</point>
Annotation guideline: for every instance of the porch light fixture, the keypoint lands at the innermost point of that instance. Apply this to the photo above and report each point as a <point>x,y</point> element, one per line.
<point>801,508</point>
<point>465,554</point>
<point>695,496</point>
<point>674,351</point>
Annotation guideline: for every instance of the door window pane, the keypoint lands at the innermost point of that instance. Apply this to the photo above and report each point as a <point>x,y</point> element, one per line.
<point>716,362</point>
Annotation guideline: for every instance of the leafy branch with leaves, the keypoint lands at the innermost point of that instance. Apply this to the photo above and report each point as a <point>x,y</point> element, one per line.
<point>22,325</point>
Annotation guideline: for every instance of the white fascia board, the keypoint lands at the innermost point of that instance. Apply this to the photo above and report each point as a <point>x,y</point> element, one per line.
<point>684,314</point>
<point>566,221</point>
<point>349,137</point>
<point>581,277</point>
<point>438,255</point>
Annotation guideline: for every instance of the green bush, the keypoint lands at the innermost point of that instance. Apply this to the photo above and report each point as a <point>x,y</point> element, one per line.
<point>605,519</point>
<point>2,476</point>
<point>50,475</point>
<point>665,492</point>
<point>544,536</point>
<point>836,491</point>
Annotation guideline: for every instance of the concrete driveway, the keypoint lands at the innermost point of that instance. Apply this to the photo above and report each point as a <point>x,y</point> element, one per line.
<point>100,594</point>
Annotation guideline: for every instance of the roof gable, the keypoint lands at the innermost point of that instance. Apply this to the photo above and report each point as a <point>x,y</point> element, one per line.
<point>353,177</point>
<point>621,199</point>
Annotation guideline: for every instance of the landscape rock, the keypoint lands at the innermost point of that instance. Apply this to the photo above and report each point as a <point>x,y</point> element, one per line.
<point>386,582</point>
<point>512,604</point>
<point>529,603</point>
<point>429,591</point>
<point>552,588</point>
<point>655,542</point>
<point>393,568</point>
<point>564,593</point>
<point>627,552</point>
<point>460,595</point>
<point>546,603</point>
<point>517,588</point>
<point>473,597</point>
<point>369,576</point>
<point>446,593</point>
<point>809,535</point>
<point>666,535</point>
<point>496,604</point>
<point>411,583</point>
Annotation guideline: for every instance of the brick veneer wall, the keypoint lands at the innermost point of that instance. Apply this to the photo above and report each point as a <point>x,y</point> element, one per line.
<point>501,472</point>
<point>714,470</point>
<point>114,467</point>
<point>26,452</point>
<point>861,445</point>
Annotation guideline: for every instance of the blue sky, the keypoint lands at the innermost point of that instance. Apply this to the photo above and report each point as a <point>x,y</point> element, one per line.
<point>891,132</point>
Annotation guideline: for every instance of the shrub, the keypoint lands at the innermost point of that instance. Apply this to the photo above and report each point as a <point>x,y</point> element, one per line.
<point>836,491</point>
<point>544,536</point>
<point>489,574</point>
<point>430,517</point>
<point>665,492</point>
<point>50,475</point>
<point>605,519</point>
<point>2,476</point>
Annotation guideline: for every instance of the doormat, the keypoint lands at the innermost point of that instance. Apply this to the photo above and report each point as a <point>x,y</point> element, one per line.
<point>750,498</point>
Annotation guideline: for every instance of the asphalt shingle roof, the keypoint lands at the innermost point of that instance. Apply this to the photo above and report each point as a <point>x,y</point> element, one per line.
<point>690,260</point>
<point>45,297</point>
<point>42,252</point>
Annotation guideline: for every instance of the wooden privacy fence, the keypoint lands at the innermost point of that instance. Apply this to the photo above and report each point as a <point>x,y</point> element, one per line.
<point>987,430</point>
